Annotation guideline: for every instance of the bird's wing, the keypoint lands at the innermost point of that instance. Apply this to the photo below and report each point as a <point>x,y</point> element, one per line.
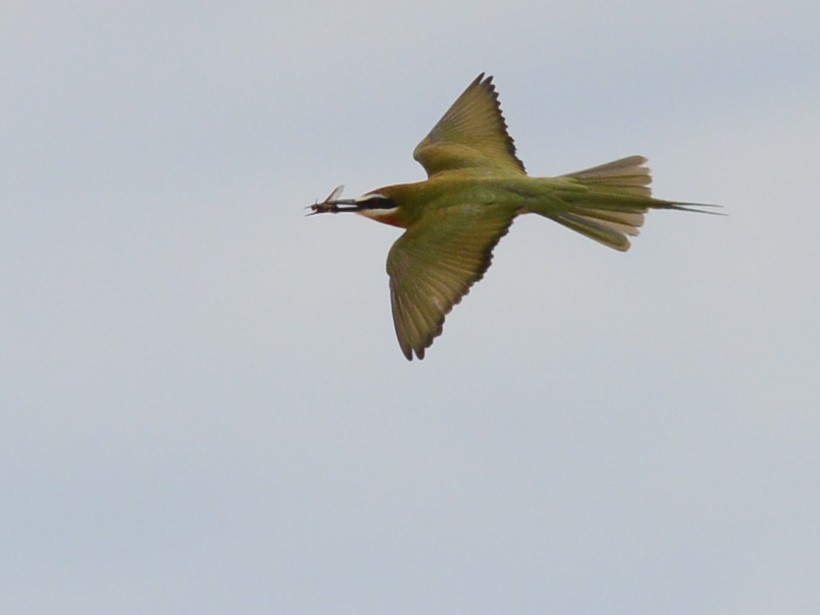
<point>472,136</point>
<point>434,264</point>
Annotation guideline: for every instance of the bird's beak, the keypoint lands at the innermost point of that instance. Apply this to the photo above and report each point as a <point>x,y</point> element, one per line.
<point>333,207</point>
<point>332,204</point>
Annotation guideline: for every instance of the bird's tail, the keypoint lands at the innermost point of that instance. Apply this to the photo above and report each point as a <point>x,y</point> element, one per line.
<point>612,207</point>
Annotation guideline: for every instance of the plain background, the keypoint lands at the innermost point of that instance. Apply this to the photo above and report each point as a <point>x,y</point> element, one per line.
<point>204,409</point>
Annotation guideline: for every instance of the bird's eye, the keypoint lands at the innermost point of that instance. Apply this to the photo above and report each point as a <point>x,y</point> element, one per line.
<point>376,201</point>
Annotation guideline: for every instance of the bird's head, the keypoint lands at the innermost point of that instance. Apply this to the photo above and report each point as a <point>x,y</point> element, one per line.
<point>367,202</point>
<point>376,205</point>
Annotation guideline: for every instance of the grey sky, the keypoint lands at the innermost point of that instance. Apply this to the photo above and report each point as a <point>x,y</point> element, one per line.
<point>205,408</point>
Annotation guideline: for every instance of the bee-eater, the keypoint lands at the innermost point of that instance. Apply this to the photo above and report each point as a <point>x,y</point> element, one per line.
<point>475,187</point>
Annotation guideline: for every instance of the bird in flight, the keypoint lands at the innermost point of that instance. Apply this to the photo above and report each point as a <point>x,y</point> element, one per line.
<point>475,188</point>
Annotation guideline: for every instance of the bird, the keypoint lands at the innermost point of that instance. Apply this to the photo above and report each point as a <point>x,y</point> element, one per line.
<point>476,186</point>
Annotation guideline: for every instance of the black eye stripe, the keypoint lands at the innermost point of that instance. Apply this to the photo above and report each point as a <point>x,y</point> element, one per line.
<point>376,202</point>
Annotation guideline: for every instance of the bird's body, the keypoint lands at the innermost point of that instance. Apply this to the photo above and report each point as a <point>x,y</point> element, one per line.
<point>476,186</point>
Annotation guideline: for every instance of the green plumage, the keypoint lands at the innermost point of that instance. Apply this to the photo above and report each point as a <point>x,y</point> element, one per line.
<point>476,186</point>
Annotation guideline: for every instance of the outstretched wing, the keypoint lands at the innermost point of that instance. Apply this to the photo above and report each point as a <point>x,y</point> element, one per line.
<point>472,136</point>
<point>434,264</point>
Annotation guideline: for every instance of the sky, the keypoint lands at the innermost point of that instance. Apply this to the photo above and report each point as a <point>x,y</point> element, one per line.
<point>204,406</point>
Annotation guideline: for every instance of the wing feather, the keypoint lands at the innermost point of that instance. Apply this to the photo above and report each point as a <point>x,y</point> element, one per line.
<point>434,264</point>
<point>471,136</point>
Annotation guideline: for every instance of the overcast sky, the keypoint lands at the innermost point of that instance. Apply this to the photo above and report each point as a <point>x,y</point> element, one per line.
<point>204,406</point>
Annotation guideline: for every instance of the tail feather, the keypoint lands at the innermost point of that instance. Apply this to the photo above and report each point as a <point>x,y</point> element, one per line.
<point>606,233</point>
<point>626,221</point>
<point>613,205</point>
<point>624,176</point>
